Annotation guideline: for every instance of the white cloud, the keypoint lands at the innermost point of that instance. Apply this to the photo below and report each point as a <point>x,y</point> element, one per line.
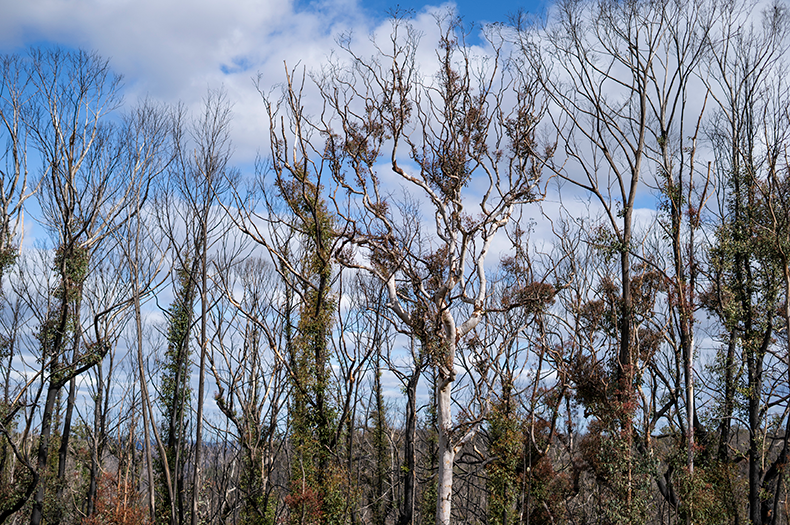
<point>174,51</point>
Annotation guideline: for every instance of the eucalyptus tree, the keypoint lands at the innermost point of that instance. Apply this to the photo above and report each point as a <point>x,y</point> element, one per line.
<point>620,77</point>
<point>603,136</point>
<point>104,289</point>
<point>148,136</point>
<point>89,173</point>
<point>83,201</point>
<point>466,134</point>
<point>191,221</point>
<point>300,236</point>
<point>677,109</point>
<point>529,383</point>
<point>15,90</point>
<point>678,105</point>
<point>746,78</point>
<point>774,190</point>
<point>31,284</point>
<point>364,338</point>
<point>252,383</point>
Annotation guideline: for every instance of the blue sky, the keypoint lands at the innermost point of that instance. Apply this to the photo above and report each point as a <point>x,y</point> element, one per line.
<point>175,50</point>
<point>479,11</point>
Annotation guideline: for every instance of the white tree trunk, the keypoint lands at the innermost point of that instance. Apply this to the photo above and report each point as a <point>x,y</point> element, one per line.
<point>444,489</point>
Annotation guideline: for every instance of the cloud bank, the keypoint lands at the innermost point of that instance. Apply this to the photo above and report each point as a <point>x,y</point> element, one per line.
<point>174,51</point>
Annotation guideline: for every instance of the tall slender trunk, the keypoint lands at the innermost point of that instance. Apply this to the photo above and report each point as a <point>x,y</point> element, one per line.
<point>179,468</point>
<point>351,512</point>
<point>43,452</point>
<point>56,382</point>
<point>138,321</point>
<point>70,400</point>
<point>444,489</point>
<point>729,398</point>
<point>625,358</point>
<point>409,455</point>
<point>202,372</point>
<point>783,455</point>
<point>754,447</point>
<point>159,442</point>
<point>755,371</point>
<point>63,451</point>
<point>97,430</point>
<point>689,372</point>
<point>381,507</point>
<point>146,420</point>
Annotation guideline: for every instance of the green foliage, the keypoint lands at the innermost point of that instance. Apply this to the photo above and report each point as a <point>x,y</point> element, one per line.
<point>175,387</point>
<point>175,391</point>
<point>71,264</point>
<point>12,495</point>
<point>506,446</point>
<point>430,493</point>
<point>315,489</point>
<point>257,507</point>
<point>607,242</point>
<point>8,256</point>
<point>623,479</point>
<point>430,464</point>
<point>521,477</point>
<point>703,499</point>
<point>54,509</point>
<point>311,418</point>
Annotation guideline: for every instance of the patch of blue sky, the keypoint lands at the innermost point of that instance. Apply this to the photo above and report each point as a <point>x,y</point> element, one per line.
<point>32,41</point>
<point>479,13</point>
<point>474,14</point>
<point>240,64</point>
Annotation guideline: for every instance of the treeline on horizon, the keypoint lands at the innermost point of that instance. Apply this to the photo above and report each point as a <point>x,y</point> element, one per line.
<point>623,360</point>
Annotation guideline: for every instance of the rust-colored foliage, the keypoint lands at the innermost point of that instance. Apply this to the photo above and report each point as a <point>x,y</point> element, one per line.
<point>547,486</point>
<point>305,506</point>
<point>592,383</point>
<point>117,503</point>
<point>533,297</point>
<point>436,266</point>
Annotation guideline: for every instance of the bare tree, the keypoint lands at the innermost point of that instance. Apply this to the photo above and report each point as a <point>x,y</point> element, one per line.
<point>601,63</point>
<point>191,221</point>
<point>211,172</point>
<point>15,91</point>
<point>82,202</point>
<point>105,288</point>
<point>147,137</point>
<point>474,117</point>
<point>251,380</point>
<point>776,195</point>
<point>674,111</point>
<point>748,137</point>
<point>286,213</point>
